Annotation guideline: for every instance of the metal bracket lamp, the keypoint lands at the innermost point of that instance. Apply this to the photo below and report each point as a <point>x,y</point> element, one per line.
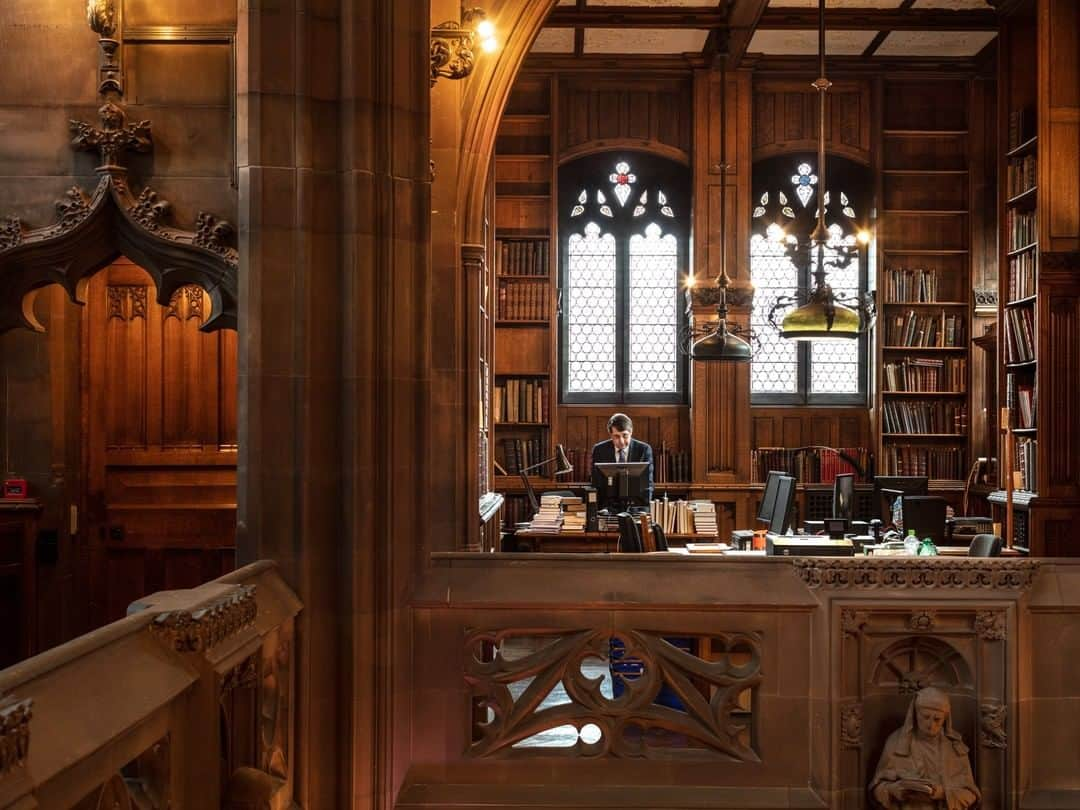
<point>820,314</point>
<point>562,467</point>
<point>453,44</point>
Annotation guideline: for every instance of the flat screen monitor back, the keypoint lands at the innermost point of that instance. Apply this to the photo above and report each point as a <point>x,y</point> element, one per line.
<point>783,514</point>
<point>768,497</point>
<point>624,485</point>
<point>907,484</point>
<point>843,496</point>
<point>926,515</point>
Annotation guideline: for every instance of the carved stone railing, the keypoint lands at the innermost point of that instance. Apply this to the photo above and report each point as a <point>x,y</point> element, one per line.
<point>188,702</point>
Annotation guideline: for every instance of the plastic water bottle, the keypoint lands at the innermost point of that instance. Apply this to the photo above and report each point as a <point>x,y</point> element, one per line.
<point>927,549</point>
<point>911,543</point>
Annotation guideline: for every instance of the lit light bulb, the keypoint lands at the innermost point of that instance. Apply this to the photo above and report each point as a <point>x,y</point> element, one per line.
<point>863,236</point>
<point>690,281</point>
<point>489,45</point>
<point>485,29</point>
<point>775,233</point>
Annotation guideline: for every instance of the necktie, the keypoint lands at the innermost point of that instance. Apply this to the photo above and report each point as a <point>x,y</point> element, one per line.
<point>622,456</point>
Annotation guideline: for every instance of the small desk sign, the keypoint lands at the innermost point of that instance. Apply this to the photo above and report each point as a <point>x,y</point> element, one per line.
<point>15,488</point>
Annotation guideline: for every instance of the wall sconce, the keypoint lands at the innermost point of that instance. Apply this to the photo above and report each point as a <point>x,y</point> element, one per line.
<point>453,44</point>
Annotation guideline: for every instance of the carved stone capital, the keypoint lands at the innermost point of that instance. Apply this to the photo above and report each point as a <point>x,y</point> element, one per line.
<point>992,725</point>
<point>990,625</point>
<point>922,620</point>
<point>113,138</point>
<point>853,621</point>
<point>851,720</point>
<point>212,233</point>
<point>915,572</point>
<point>193,631</point>
<point>452,54</point>
<point>14,733</point>
<point>986,301</point>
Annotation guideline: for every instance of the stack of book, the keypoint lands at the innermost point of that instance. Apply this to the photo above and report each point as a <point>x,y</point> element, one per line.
<point>1019,335</point>
<point>522,257</point>
<point>933,330</point>
<point>902,285</point>
<point>926,374</point>
<point>1026,463</point>
<point>704,514</point>
<point>925,417</point>
<point>549,518</point>
<point>520,400</point>
<point>1020,399</point>
<point>573,509</point>
<point>523,300</point>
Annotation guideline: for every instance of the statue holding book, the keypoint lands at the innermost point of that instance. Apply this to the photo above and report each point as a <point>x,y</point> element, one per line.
<point>925,765</point>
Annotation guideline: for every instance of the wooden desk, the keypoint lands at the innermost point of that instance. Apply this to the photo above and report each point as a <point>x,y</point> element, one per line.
<point>18,564</point>
<point>589,542</point>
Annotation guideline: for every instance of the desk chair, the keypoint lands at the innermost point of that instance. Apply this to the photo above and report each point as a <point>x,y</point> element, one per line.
<point>985,545</point>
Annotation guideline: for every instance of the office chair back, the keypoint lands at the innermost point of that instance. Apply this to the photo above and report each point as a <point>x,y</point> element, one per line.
<point>985,545</point>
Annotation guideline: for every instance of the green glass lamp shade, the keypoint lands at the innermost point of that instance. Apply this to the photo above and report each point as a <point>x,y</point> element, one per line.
<point>818,320</point>
<point>721,346</point>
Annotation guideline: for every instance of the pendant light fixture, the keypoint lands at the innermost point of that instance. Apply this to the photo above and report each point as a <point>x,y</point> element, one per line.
<point>821,315</point>
<point>722,344</point>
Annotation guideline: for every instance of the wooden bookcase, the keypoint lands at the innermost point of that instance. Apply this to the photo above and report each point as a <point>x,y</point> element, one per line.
<point>1039,292</point>
<point>924,280</point>
<point>523,379</point>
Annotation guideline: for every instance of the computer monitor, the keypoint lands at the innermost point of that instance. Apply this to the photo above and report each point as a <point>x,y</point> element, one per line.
<point>926,515</point>
<point>783,512</point>
<point>768,497</point>
<point>622,485</point>
<point>905,484</point>
<point>843,496</point>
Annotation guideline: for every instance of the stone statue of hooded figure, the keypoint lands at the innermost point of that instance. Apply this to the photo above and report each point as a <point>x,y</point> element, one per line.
<point>925,765</point>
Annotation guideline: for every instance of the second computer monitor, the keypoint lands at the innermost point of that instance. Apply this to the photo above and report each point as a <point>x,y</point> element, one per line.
<point>926,516</point>
<point>783,512</point>
<point>768,497</point>
<point>906,484</point>
<point>843,496</point>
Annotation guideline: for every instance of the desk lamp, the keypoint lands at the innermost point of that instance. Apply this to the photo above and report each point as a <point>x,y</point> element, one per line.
<point>562,467</point>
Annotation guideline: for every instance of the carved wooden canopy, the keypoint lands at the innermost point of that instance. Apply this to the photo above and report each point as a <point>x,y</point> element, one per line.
<point>93,230</point>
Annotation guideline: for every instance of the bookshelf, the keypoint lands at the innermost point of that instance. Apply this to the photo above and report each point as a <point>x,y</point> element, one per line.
<point>523,396</point>
<point>924,281</point>
<point>1019,288</point>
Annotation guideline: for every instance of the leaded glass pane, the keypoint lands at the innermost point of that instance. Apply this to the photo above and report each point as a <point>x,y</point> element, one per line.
<point>774,369</point>
<point>591,311</point>
<point>834,365</point>
<point>654,283</point>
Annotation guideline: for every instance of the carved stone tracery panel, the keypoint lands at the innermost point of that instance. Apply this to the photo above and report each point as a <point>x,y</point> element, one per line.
<point>616,694</point>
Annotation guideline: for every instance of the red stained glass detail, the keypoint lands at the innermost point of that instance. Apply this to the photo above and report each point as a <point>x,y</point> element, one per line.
<point>622,179</point>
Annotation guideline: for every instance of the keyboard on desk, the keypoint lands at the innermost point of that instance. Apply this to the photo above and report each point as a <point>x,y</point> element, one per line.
<point>781,545</point>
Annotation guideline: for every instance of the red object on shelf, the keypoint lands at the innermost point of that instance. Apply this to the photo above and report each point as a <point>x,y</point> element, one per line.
<point>15,488</point>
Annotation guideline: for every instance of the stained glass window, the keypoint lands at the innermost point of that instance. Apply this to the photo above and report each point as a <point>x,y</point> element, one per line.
<point>785,371</point>
<point>622,261</point>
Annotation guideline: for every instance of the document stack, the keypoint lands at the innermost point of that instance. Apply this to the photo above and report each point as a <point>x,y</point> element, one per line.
<point>549,519</point>
<point>573,509</point>
<point>704,513</point>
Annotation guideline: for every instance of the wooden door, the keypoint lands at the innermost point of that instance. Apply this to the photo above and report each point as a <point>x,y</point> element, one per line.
<point>160,440</point>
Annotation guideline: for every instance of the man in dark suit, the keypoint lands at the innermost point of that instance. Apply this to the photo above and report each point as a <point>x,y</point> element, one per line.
<point>620,447</point>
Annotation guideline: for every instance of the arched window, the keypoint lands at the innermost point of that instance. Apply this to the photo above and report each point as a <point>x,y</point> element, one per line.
<point>786,194</point>
<point>624,226</point>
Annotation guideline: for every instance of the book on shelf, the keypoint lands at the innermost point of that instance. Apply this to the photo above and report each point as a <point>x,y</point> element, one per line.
<point>517,400</point>
<point>1019,335</point>
<point>904,285</point>
<point>1021,174</point>
<point>926,375</point>
<point>1026,461</point>
<point>811,466</point>
<point>1021,228</point>
<point>670,466</point>
<point>522,257</point>
<point>1021,126</point>
<point>514,454</point>
<point>924,417</point>
<point>523,299</point>
<point>932,462</point>
<point>925,330</point>
<point>1021,401</point>
<point>684,517</point>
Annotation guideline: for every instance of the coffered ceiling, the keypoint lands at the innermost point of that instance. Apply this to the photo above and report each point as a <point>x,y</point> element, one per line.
<point>893,29</point>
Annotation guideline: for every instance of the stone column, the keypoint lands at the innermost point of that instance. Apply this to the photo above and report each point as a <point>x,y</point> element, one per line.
<point>334,359</point>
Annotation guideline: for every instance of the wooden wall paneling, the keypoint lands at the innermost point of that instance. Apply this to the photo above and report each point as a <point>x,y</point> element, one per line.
<point>1058,324</point>
<point>1059,125</point>
<point>598,112</point>
<point>786,112</point>
<point>161,482</point>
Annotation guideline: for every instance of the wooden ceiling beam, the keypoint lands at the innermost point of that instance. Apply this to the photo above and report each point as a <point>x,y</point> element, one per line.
<point>861,19</point>
<point>745,17</point>
<point>636,17</point>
